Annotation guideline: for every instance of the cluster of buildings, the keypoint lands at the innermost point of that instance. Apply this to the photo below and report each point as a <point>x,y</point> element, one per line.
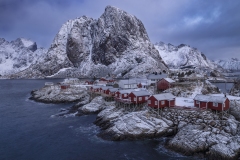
<point>134,92</point>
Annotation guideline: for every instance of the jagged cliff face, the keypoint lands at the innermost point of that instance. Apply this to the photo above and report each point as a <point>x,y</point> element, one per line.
<point>231,64</point>
<point>183,55</point>
<point>18,55</point>
<point>116,43</point>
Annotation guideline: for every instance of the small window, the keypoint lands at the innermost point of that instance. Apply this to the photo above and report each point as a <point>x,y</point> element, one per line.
<point>125,95</point>
<point>215,104</point>
<point>146,98</point>
<point>223,105</point>
<point>140,98</point>
<point>162,102</point>
<point>155,102</point>
<point>197,102</point>
<point>134,99</point>
<point>149,101</point>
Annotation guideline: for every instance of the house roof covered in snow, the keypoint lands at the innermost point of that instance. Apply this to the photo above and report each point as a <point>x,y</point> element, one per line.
<point>126,91</point>
<point>169,80</point>
<point>95,87</point>
<point>127,81</point>
<point>106,87</point>
<point>113,89</point>
<point>141,93</point>
<point>164,96</point>
<point>207,98</point>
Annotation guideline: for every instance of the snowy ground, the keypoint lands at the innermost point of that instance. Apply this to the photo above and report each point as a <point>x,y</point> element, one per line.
<point>182,101</point>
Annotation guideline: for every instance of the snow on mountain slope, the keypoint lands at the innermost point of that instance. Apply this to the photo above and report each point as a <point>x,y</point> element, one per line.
<point>18,55</point>
<point>183,55</point>
<point>116,43</point>
<point>230,64</point>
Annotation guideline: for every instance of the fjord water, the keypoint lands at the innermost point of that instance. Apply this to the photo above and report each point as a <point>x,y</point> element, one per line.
<point>27,131</point>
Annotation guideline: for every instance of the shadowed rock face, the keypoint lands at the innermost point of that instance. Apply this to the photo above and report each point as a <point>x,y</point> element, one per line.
<point>115,32</point>
<point>79,41</point>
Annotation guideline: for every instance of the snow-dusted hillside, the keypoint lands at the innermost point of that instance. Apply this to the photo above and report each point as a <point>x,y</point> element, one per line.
<point>116,43</point>
<point>183,55</point>
<point>230,64</point>
<point>18,55</point>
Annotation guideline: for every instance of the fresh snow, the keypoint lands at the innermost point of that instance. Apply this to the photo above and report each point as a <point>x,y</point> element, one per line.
<point>26,42</point>
<point>184,102</point>
<point>183,55</point>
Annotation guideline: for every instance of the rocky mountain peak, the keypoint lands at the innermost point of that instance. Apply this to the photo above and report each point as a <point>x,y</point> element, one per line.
<point>116,43</point>
<point>25,43</point>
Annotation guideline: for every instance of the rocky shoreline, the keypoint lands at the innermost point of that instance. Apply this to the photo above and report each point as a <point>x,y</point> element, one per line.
<point>200,132</point>
<point>54,94</point>
<point>192,131</point>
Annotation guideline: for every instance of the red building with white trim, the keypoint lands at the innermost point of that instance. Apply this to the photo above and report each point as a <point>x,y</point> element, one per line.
<point>138,97</point>
<point>164,84</point>
<point>161,100</point>
<point>211,102</point>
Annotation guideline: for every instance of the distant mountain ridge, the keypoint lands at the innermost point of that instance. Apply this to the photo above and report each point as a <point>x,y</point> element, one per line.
<point>18,55</point>
<point>229,64</point>
<point>183,55</point>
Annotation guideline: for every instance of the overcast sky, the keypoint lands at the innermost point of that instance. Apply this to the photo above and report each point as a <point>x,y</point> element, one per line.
<point>212,26</point>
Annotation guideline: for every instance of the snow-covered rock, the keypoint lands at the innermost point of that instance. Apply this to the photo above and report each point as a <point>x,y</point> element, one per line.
<point>182,56</point>
<point>116,43</point>
<point>54,94</point>
<point>229,64</point>
<point>132,125</point>
<point>200,131</point>
<point>17,55</point>
<point>96,105</point>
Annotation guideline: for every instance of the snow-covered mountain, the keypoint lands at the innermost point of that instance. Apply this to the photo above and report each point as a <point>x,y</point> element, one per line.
<point>18,55</point>
<point>116,43</point>
<point>230,64</point>
<point>183,55</point>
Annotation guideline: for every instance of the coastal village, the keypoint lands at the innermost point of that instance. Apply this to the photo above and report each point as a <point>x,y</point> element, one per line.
<point>156,106</point>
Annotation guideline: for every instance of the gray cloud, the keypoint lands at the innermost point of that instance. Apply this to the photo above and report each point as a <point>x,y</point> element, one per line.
<point>211,26</point>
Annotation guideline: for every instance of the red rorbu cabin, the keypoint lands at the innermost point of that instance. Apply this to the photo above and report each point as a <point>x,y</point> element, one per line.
<point>96,89</point>
<point>138,97</point>
<point>112,91</point>
<point>217,103</point>
<point>89,82</point>
<point>161,100</point>
<point>123,94</point>
<point>164,84</point>
<point>65,86</point>
<point>105,90</point>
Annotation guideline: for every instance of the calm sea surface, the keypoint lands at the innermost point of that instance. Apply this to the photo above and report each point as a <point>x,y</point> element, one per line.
<point>27,132</point>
